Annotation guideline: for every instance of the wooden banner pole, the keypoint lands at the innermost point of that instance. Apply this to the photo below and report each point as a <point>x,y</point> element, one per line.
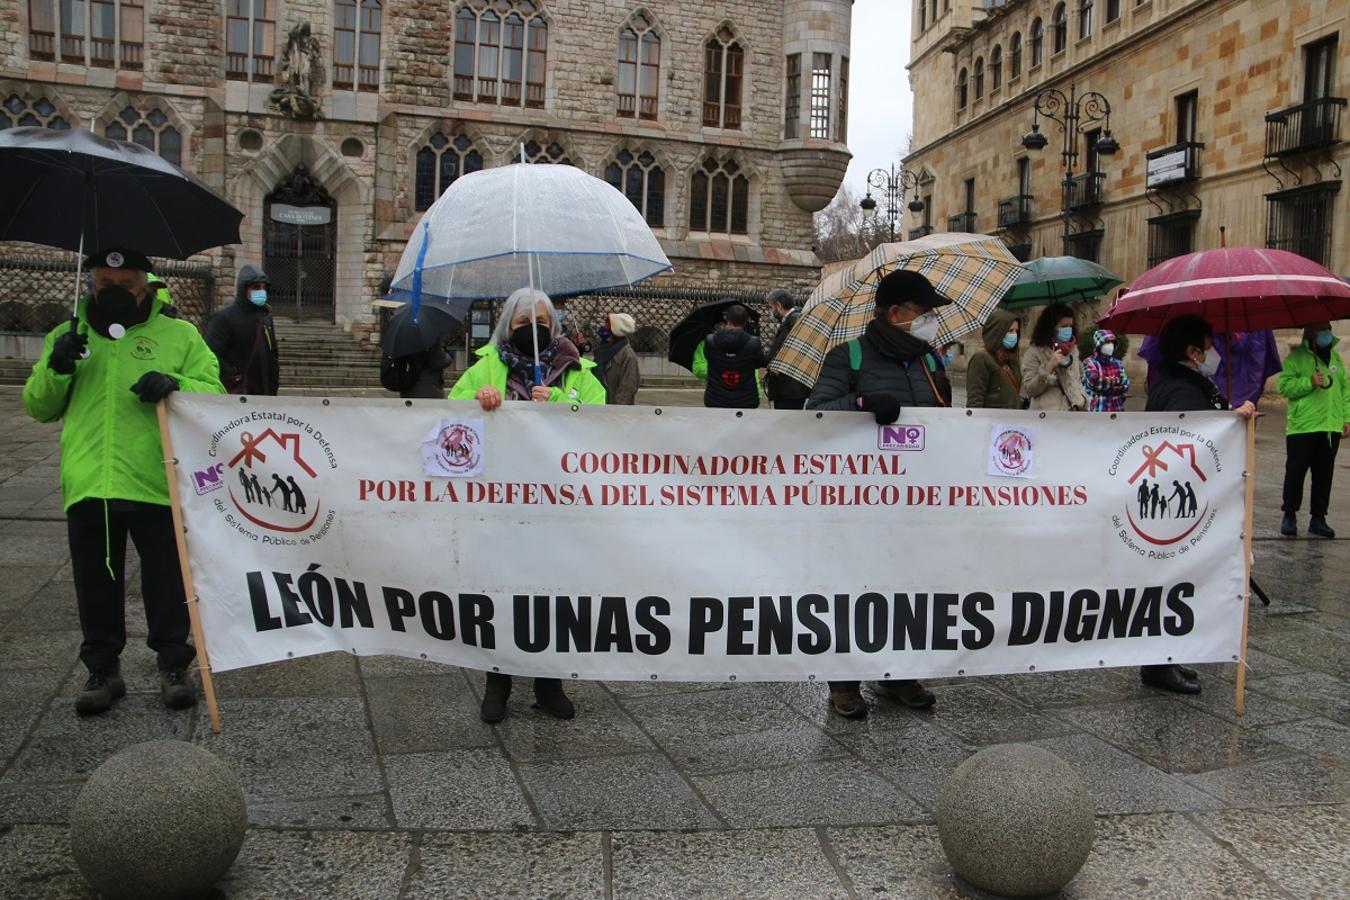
<point>1250,494</point>
<point>180,534</point>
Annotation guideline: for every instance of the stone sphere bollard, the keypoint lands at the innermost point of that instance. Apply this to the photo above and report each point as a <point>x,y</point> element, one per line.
<point>158,820</point>
<point>1015,820</point>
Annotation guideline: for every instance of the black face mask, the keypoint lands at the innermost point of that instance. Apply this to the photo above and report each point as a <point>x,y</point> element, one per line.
<point>115,306</point>
<point>522,338</point>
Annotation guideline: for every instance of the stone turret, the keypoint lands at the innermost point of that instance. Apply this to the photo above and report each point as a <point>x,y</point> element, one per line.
<point>813,154</point>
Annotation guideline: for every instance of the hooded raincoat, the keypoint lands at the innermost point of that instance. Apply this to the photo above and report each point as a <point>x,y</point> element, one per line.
<point>110,444</point>
<point>244,340</point>
<point>992,376</point>
<point>1313,409</point>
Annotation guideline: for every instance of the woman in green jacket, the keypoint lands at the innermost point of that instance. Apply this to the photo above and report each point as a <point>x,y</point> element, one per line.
<point>1315,383</point>
<point>505,371</point>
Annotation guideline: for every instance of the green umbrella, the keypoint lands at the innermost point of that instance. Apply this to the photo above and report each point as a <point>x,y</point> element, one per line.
<point>1058,279</point>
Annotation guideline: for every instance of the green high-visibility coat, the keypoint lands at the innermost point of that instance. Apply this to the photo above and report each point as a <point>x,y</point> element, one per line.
<point>1314,409</point>
<point>110,446</point>
<point>578,385</point>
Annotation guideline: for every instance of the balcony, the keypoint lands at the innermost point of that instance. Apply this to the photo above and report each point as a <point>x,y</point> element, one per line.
<point>1084,190</point>
<point>921,231</point>
<point>1014,211</point>
<point>961,222</point>
<point>1308,126</point>
<point>1176,164</point>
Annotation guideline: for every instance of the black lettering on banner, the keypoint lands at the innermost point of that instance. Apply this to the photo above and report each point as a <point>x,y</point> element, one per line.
<point>1082,616</point>
<point>574,624</point>
<point>400,605</point>
<point>841,636</point>
<point>705,617</point>
<point>869,622</point>
<point>317,594</point>
<point>475,621</point>
<point>1056,617</point>
<point>810,608</point>
<point>1182,619</point>
<point>263,620</point>
<point>911,622</point>
<point>1148,615</point>
<point>613,630</point>
<point>438,615</point>
<point>532,630</point>
<point>650,610</point>
<point>738,623</point>
<point>981,632</point>
<point>290,602</point>
<point>944,620</point>
<point>1116,613</point>
<point>775,624</point>
<point>1028,616</point>
<point>353,604</point>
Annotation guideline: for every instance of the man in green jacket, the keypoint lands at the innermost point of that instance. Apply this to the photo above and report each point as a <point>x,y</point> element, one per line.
<point>103,379</point>
<point>1315,383</point>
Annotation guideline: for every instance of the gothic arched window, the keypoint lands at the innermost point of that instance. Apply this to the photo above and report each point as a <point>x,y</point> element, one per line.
<point>639,78</point>
<point>501,51</point>
<point>440,161</point>
<point>641,181</point>
<point>17,112</point>
<point>356,45</point>
<point>153,131</point>
<point>719,198</point>
<point>723,79</point>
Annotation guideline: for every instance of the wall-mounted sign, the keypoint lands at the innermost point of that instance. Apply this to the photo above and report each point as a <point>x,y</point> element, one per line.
<point>1166,169</point>
<point>301,215</point>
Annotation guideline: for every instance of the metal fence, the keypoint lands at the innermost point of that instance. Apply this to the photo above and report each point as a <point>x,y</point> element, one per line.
<point>35,292</point>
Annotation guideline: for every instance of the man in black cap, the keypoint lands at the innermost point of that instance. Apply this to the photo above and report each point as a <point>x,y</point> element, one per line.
<point>893,365</point>
<point>103,378</point>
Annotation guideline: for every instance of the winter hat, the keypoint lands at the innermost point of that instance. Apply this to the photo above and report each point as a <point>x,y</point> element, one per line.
<point>1102,336</point>
<point>118,259</point>
<point>622,324</point>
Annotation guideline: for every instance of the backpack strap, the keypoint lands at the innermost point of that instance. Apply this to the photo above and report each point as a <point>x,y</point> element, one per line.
<point>854,364</point>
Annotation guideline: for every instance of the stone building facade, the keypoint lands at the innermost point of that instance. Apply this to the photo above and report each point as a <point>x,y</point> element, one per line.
<point>1228,115</point>
<point>724,122</point>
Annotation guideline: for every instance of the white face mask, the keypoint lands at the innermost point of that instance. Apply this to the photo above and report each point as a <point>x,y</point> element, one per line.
<point>925,327</point>
<point>1210,364</point>
<point>1108,349</point>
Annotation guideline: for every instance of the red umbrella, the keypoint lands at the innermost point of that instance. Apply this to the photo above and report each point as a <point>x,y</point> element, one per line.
<point>1235,289</point>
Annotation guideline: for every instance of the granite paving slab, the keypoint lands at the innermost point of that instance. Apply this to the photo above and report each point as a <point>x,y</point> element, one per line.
<point>493,866</point>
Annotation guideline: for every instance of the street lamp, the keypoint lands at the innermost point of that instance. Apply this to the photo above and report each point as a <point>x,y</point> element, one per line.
<point>891,184</point>
<point>1072,114</point>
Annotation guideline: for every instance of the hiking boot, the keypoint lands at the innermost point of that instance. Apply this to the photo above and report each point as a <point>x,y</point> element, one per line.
<point>1289,525</point>
<point>496,692</point>
<point>848,702</point>
<point>549,696</point>
<point>909,692</point>
<point>177,689</point>
<point>1318,526</point>
<point>99,692</point>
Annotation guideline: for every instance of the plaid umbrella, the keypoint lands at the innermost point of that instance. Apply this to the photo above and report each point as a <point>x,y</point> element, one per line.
<point>973,270</point>
<point>1059,279</point>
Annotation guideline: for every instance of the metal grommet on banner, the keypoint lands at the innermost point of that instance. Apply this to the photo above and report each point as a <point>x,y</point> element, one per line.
<point>739,413</point>
<point>960,671</point>
<point>325,401</point>
<point>574,675</point>
<point>243,399</point>
<point>731,677</point>
<point>1181,415</point>
<point>658,410</point>
<point>496,669</point>
<point>653,676</point>
<point>820,415</point>
<point>886,675</point>
<point>289,655</point>
<point>1041,416</point>
<point>1169,659</point>
<point>810,678</point>
<point>407,403</point>
<point>423,655</point>
<point>1113,417</point>
<point>969,413</point>
<point>575,408</point>
<point>1031,668</point>
<point>1101,662</point>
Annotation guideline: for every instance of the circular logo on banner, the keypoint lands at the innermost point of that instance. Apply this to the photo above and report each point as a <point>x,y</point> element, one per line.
<point>272,480</point>
<point>1167,506</point>
<point>458,449</point>
<point>1012,452</point>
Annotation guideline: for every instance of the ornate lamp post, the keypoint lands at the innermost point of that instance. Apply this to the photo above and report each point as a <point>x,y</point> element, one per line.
<point>1072,113</point>
<point>891,185</point>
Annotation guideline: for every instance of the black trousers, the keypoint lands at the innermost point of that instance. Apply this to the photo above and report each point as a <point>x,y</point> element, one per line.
<point>102,597</point>
<point>1316,451</point>
<point>790,404</point>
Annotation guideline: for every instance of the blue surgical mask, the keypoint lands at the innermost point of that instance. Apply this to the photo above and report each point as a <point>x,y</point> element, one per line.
<point>947,359</point>
<point>1010,341</point>
<point>1325,339</point>
<point>1064,334</point>
<point>258,297</point>
<point>604,333</point>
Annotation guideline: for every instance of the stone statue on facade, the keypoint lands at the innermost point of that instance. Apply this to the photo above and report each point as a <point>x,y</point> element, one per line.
<point>301,75</point>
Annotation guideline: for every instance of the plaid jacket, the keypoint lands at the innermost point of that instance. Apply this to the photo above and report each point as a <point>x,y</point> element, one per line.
<point>1105,383</point>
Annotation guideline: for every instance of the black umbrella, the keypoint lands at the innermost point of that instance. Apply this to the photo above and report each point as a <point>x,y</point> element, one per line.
<point>75,190</point>
<point>690,331</point>
<point>404,336</point>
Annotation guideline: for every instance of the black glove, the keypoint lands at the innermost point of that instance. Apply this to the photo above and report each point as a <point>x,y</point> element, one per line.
<point>154,386</point>
<point>66,351</point>
<point>884,406</point>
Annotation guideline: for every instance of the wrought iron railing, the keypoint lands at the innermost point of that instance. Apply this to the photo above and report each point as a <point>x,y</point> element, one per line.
<point>1014,210</point>
<point>921,231</point>
<point>1300,220</point>
<point>1308,126</point>
<point>1084,190</point>
<point>964,221</point>
<point>1175,164</point>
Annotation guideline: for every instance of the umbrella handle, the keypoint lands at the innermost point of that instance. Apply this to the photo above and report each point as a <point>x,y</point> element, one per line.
<point>538,374</point>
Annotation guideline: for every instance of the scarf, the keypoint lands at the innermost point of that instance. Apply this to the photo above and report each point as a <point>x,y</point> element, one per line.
<point>1186,373</point>
<point>893,342</point>
<point>604,352</point>
<point>555,359</point>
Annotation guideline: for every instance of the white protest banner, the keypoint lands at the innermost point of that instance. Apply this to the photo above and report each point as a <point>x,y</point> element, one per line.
<point>692,544</point>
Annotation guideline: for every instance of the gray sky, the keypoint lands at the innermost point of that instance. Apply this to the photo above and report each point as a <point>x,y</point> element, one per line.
<point>880,106</point>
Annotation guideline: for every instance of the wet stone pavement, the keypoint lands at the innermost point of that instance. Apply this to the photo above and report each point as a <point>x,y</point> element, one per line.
<point>374,778</point>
